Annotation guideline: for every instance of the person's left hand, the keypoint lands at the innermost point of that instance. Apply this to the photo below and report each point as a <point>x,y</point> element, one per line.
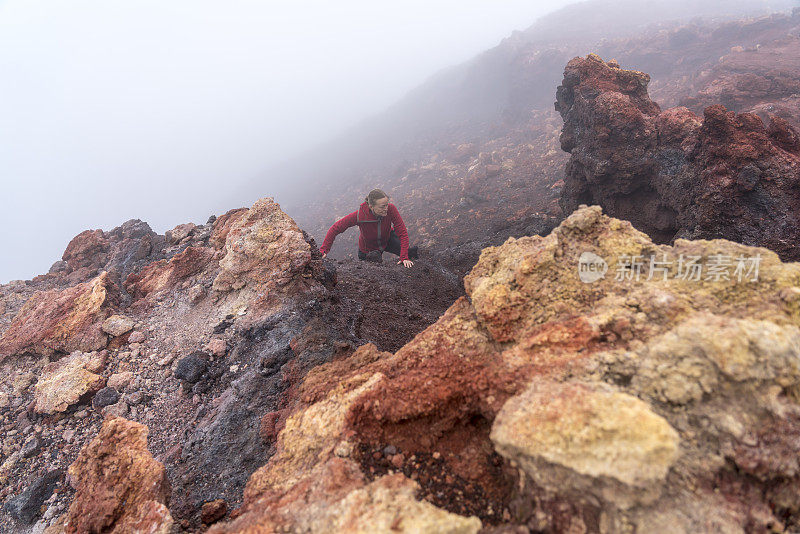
<point>407,263</point>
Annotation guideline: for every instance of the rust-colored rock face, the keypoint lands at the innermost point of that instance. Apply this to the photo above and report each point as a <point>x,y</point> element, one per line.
<point>120,487</point>
<point>223,224</point>
<point>87,249</point>
<point>166,274</point>
<point>671,173</point>
<point>61,320</point>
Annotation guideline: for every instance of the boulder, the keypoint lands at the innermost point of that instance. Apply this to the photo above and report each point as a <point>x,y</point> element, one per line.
<point>119,486</point>
<point>117,325</point>
<point>61,320</point>
<point>67,381</point>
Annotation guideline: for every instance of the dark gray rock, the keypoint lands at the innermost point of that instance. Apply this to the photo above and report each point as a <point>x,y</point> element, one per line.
<point>26,506</point>
<point>105,397</point>
<point>31,447</point>
<point>191,368</point>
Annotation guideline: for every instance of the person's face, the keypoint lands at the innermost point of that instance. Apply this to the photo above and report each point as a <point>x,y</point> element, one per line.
<point>381,207</point>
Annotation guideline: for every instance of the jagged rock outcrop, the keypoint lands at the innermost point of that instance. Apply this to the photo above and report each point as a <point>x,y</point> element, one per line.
<point>626,401</point>
<point>62,320</point>
<point>212,371</point>
<point>264,250</point>
<point>671,173</point>
<point>117,251</point>
<point>120,487</point>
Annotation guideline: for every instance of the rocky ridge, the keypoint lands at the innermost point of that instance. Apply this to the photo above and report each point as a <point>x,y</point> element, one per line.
<point>179,360</point>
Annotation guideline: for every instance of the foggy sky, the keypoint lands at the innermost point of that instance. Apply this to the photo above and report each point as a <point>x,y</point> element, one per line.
<point>115,110</point>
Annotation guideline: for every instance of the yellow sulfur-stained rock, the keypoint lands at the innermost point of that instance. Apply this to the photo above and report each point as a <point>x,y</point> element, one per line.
<point>65,381</point>
<point>588,438</point>
<point>388,505</point>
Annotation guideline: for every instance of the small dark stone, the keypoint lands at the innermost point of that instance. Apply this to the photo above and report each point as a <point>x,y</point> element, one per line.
<point>223,325</point>
<point>31,447</point>
<point>389,449</point>
<point>105,397</point>
<point>190,368</point>
<point>26,506</point>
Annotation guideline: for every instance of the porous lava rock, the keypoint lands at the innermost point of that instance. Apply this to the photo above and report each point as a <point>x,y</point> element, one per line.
<point>674,174</point>
<point>616,403</point>
<point>119,486</point>
<point>61,320</point>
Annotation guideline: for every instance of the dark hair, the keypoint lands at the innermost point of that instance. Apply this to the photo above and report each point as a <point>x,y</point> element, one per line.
<point>375,194</point>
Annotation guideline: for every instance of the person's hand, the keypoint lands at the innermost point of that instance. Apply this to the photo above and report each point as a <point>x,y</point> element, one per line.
<point>325,254</point>
<point>407,263</point>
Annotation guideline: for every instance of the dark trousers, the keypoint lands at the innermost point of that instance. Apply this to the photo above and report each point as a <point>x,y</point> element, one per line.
<point>394,247</point>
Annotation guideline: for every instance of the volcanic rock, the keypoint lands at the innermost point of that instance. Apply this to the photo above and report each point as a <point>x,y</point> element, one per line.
<point>105,397</point>
<point>61,320</point>
<point>671,173</point>
<point>264,248</point>
<point>89,249</point>
<point>166,274</point>
<point>66,381</point>
<point>120,487</point>
<point>625,400</point>
<point>223,225</point>
<point>190,368</point>
<point>213,511</point>
<point>179,233</point>
<point>25,507</point>
<point>116,325</point>
<point>120,381</point>
<point>118,251</point>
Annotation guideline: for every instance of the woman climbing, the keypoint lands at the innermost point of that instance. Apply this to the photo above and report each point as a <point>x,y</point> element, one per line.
<point>381,227</point>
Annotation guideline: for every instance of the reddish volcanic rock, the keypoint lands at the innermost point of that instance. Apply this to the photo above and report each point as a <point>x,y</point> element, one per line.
<point>213,511</point>
<point>223,224</point>
<point>87,249</point>
<point>120,487</point>
<point>118,251</point>
<point>163,274</point>
<point>61,320</point>
<point>671,174</point>
<point>552,401</point>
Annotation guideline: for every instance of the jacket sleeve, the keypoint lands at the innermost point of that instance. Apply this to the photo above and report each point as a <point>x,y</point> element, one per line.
<point>400,230</point>
<point>337,228</point>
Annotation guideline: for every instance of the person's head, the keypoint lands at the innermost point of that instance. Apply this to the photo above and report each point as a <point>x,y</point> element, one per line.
<point>378,202</point>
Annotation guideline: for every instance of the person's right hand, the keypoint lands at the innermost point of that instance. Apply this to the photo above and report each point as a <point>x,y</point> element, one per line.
<point>324,255</point>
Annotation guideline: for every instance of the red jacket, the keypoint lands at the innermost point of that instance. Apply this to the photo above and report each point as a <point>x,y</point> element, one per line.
<point>371,228</point>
